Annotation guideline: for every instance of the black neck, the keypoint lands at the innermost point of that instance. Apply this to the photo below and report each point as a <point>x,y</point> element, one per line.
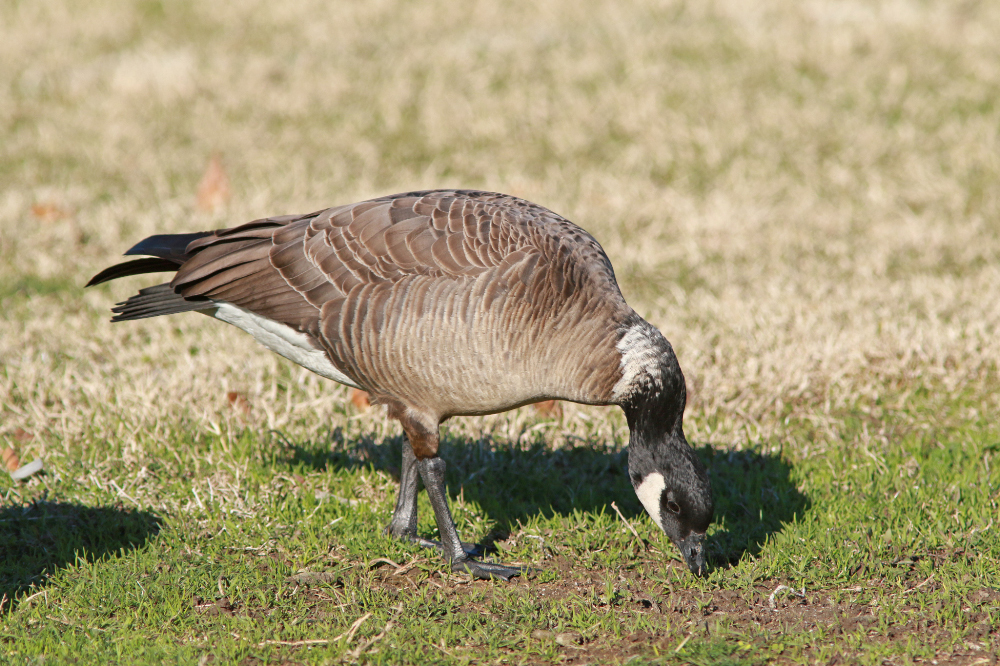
<point>656,408</point>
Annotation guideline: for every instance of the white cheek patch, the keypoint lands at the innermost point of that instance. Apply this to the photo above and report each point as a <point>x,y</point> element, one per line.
<point>650,491</point>
<point>281,339</point>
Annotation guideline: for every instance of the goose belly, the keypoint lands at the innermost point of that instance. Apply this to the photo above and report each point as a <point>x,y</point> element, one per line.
<point>282,340</point>
<point>458,355</point>
<point>464,376</point>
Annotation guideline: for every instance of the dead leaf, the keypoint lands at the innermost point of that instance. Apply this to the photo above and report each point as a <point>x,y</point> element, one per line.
<point>22,435</point>
<point>551,408</point>
<point>238,402</point>
<point>360,399</point>
<point>46,211</point>
<point>10,459</point>
<point>219,607</point>
<point>213,188</point>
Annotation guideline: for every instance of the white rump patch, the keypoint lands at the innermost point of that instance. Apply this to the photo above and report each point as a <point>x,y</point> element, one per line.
<point>650,492</point>
<point>639,355</point>
<point>282,340</point>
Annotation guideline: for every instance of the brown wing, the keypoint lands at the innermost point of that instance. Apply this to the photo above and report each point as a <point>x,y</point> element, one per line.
<point>287,268</point>
<point>344,274</point>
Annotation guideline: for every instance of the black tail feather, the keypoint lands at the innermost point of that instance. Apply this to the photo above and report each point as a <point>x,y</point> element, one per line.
<point>169,252</point>
<point>167,246</point>
<point>156,301</point>
<point>136,267</point>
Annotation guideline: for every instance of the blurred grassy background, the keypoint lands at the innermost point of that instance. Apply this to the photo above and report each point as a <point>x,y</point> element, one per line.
<point>802,195</point>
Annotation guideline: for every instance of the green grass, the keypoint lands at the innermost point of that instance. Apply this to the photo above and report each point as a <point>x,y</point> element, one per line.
<point>891,540</point>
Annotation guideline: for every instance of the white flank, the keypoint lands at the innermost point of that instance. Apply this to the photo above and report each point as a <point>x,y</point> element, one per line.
<point>281,339</point>
<point>649,492</point>
<point>639,356</point>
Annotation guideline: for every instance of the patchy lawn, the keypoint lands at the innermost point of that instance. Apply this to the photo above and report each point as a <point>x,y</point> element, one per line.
<point>803,196</point>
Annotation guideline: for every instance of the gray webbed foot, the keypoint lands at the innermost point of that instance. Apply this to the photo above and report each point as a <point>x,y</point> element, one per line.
<point>485,570</point>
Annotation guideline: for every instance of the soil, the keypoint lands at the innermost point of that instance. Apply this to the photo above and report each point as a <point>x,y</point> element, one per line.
<point>760,617</point>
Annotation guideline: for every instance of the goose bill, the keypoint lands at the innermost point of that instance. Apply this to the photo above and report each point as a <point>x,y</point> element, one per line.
<point>693,550</point>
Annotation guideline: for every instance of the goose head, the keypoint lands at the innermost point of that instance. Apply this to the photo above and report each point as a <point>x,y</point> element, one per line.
<point>668,478</point>
<point>674,489</point>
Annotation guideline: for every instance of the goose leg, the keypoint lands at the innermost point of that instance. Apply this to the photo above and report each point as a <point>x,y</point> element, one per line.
<point>432,472</point>
<point>404,517</point>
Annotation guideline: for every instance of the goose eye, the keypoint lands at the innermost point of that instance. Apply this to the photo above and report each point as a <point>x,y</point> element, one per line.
<point>673,506</point>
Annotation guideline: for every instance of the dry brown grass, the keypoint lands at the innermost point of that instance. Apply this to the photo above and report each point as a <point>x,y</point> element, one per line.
<point>804,196</point>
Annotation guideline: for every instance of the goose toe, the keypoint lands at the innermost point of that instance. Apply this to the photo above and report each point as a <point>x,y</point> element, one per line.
<point>486,570</point>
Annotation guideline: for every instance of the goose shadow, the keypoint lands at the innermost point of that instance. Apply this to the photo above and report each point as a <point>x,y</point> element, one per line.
<point>754,491</point>
<point>39,538</point>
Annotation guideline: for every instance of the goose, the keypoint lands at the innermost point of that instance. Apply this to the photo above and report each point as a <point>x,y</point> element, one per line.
<point>445,303</point>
